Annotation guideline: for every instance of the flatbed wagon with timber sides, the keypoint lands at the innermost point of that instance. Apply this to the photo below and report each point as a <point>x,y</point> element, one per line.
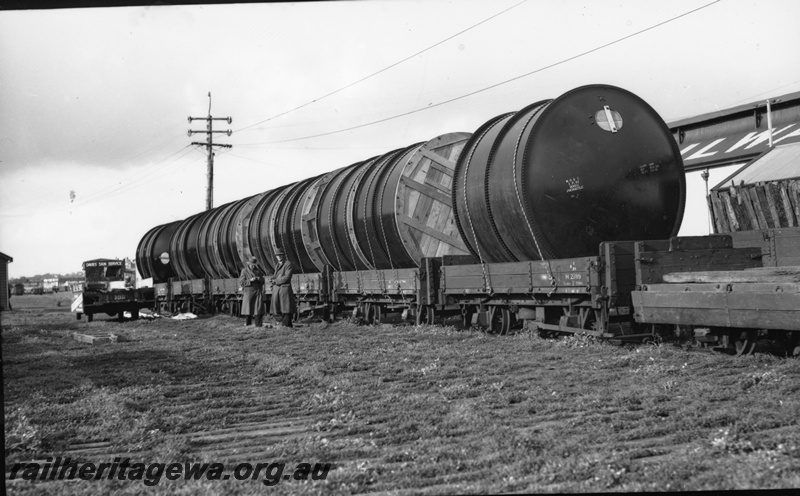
<point>727,299</point>
<point>585,295</point>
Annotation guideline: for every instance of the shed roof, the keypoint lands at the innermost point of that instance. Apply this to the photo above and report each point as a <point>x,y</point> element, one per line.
<point>778,164</point>
<point>5,257</point>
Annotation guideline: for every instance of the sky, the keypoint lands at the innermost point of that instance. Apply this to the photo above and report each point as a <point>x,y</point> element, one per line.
<point>94,150</point>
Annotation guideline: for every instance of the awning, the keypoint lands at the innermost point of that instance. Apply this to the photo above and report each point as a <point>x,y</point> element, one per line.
<point>780,163</point>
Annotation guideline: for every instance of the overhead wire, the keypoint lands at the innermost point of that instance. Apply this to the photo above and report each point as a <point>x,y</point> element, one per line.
<point>515,78</point>
<point>382,70</point>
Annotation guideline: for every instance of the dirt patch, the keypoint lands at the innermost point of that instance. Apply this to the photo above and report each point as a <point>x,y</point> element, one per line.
<point>395,408</point>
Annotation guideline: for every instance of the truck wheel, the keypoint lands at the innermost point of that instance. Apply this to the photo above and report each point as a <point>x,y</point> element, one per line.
<point>89,317</point>
<point>135,314</point>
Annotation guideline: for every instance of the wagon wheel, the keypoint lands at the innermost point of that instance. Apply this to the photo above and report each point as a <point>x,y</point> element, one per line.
<point>466,316</point>
<point>374,313</point>
<point>327,314</point>
<point>746,343</point>
<point>425,315</point>
<point>791,343</point>
<point>500,321</point>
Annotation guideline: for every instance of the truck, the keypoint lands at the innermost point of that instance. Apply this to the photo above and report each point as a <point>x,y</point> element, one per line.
<point>110,287</point>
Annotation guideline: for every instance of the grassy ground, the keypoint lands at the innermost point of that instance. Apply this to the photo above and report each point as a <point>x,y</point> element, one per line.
<point>393,408</point>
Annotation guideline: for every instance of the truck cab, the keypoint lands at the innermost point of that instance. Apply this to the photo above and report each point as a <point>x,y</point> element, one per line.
<point>109,287</point>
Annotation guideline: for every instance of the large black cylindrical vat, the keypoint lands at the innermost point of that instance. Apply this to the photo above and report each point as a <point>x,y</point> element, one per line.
<point>242,233</point>
<point>183,251</point>
<point>207,242</point>
<point>259,228</point>
<point>152,254</point>
<point>288,228</point>
<point>227,239</point>
<point>324,240</point>
<point>410,201</point>
<point>596,164</point>
<point>359,214</point>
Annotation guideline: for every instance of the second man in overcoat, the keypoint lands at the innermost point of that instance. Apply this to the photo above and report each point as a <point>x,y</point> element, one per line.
<point>283,303</point>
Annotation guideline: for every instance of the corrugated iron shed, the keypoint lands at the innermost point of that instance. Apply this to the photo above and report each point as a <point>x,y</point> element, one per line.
<point>780,163</point>
<point>5,289</point>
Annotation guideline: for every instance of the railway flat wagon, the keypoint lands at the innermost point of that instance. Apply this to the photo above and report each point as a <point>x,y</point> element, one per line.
<point>736,294</point>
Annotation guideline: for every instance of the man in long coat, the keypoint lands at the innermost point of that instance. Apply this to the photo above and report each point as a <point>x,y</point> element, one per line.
<point>283,303</point>
<point>251,281</point>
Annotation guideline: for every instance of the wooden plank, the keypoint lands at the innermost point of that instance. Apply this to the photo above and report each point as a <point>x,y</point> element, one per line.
<point>762,219</point>
<point>794,195</point>
<point>768,205</point>
<point>761,274</point>
<point>714,226</point>
<point>733,222</point>
<point>427,190</point>
<point>774,196</point>
<point>651,266</point>
<point>758,190</point>
<point>720,215</point>
<point>705,300</point>
<point>747,310</point>
<point>739,209</point>
<point>439,162</point>
<point>745,199</point>
<point>788,210</point>
<point>93,338</point>
<point>418,225</point>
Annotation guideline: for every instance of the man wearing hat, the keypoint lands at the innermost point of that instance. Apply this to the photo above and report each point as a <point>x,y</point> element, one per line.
<point>251,281</point>
<point>282,295</point>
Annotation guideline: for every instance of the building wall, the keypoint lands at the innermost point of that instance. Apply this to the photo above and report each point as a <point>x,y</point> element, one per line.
<point>3,285</point>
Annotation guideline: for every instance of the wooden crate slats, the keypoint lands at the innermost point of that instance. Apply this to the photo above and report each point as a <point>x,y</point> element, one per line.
<point>770,205</point>
<point>767,206</point>
<point>744,198</point>
<point>733,220</point>
<point>786,204</point>
<point>425,219</point>
<point>720,214</point>
<point>754,200</point>
<point>740,210</point>
<point>793,188</point>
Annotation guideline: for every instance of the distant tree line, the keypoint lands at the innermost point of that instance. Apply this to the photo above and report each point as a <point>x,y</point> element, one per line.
<point>73,276</point>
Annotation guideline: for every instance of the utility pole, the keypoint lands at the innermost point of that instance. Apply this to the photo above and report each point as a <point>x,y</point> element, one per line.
<point>209,144</point>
